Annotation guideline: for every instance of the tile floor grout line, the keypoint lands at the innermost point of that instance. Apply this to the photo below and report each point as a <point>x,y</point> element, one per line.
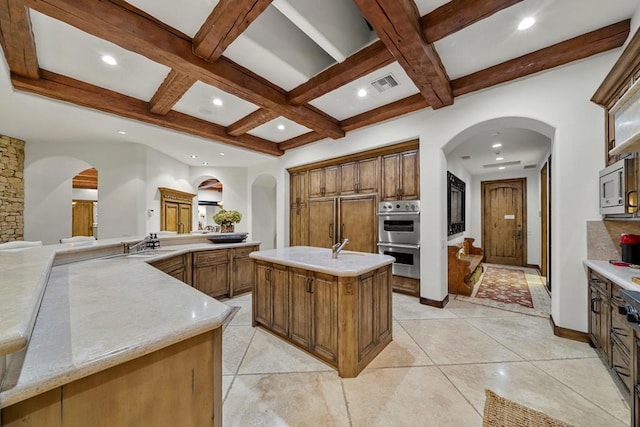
<point>578,393</point>
<point>346,402</point>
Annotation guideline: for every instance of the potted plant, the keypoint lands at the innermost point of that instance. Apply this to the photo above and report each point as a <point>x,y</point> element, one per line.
<point>227,219</point>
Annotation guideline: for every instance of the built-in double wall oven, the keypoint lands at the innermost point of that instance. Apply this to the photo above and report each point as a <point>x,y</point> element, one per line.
<point>399,235</point>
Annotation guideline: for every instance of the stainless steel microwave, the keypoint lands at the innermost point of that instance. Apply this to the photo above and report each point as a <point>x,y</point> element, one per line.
<point>619,189</point>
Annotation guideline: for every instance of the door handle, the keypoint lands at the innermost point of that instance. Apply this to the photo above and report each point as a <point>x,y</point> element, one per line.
<point>517,234</point>
<point>309,285</point>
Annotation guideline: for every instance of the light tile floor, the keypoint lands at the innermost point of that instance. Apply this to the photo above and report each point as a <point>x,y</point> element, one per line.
<point>434,373</point>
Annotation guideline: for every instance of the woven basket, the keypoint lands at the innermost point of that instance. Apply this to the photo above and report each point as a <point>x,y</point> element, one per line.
<point>501,412</point>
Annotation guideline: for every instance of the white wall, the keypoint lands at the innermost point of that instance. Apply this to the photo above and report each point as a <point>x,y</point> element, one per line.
<point>264,211</point>
<point>84,194</point>
<point>235,190</point>
<point>558,98</point>
<point>455,167</point>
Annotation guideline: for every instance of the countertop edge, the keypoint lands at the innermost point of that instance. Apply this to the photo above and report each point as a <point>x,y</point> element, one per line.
<point>621,276</point>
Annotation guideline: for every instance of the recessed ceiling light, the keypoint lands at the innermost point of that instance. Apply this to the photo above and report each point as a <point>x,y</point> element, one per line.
<point>496,145</point>
<point>280,126</point>
<point>121,132</point>
<point>501,167</point>
<point>108,59</point>
<point>205,163</point>
<point>222,154</point>
<point>526,23</point>
<point>217,101</point>
<point>362,93</point>
<point>193,156</point>
<point>499,158</point>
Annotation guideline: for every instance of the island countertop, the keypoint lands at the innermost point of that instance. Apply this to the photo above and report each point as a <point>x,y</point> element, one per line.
<point>95,313</point>
<point>347,264</point>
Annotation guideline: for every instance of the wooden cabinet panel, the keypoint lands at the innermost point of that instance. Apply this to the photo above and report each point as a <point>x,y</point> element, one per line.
<point>316,182</point>
<point>401,176</point>
<point>171,214</point>
<point>298,190</point>
<point>621,367</point>
<point>261,298</point>
<point>298,225</point>
<point>178,266</point>
<point>324,292</point>
<point>82,218</point>
<point>382,288</point>
<point>322,222</point>
<point>241,272</point>
<point>300,307</point>
<point>390,172</point>
<point>368,176</point>
<point>175,210</point>
<point>366,334</point>
<point>184,218</point>
<point>599,314</point>
<point>212,276</point>
<point>324,181</point>
<point>359,222</point>
<point>349,178</point>
<point>280,299</point>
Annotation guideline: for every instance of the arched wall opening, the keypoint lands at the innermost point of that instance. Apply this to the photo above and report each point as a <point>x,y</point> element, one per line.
<point>263,211</point>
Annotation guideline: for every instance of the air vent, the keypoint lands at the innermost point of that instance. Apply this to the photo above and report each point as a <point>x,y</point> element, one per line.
<point>385,83</point>
<point>465,157</point>
<point>530,166</point>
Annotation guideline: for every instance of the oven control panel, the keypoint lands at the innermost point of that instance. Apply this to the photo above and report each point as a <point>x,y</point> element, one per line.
<point>399,206</point>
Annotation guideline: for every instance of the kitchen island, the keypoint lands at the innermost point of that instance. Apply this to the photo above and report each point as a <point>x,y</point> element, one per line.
<point>339,310</point>
<point>105,338</point>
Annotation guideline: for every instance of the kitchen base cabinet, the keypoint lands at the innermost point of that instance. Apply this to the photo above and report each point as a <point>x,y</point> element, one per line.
<point>179,385</point>
<point>179,266</point>
<point>211,272</point>
<point>599,315</point>
<point>345,321</point>
<point>241,271</point>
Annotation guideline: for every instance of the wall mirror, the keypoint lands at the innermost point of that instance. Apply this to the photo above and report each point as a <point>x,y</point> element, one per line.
<point>455,204</point>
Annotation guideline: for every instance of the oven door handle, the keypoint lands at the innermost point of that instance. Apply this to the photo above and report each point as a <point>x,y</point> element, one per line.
<point>399,213</point>
<point>399,245</point>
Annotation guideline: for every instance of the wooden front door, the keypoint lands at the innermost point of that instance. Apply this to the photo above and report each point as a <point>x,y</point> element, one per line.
<point>82,218</point>
<point>504,221</point>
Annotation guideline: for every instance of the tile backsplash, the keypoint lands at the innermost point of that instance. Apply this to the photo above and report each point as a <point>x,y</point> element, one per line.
<point>603,237</point>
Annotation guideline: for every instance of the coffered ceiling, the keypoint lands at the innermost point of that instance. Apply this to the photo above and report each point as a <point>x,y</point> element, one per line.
<point>282,73</point>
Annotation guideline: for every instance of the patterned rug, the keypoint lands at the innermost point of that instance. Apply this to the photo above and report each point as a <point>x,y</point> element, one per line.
<point>506,286</point>
<point>512,289</point>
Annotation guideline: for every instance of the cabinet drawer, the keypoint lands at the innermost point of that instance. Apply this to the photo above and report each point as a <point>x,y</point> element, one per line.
<point>210,257</point>
<point>244,252</point>
<point>621,367</point>
<point>600,282</point>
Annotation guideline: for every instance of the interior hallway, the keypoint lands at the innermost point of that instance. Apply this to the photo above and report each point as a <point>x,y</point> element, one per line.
<point>433,373</point>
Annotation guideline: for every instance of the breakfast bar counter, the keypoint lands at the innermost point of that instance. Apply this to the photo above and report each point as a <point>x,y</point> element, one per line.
<point>338,310</point>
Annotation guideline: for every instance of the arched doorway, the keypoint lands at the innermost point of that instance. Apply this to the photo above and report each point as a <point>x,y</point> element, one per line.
<point>263,211</point>
<point>209,202</point>
<point>84,204</point>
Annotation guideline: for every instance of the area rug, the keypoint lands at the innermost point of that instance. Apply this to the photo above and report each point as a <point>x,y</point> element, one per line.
<point>513,289</point>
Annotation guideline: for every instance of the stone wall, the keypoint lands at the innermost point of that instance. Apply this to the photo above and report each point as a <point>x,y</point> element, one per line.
<point>11,189</point>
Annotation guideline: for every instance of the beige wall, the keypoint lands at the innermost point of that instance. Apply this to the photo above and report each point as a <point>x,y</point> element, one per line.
<point>11,189</point>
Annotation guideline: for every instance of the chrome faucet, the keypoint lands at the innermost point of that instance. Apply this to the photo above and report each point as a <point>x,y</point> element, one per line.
<point>335,249</point>
<point>138,247</point>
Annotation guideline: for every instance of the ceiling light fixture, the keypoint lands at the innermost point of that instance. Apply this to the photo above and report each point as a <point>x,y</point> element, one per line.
<point>499,158</point>
<point>121,132</point>
<point>222,154</point>
<point>217,101</point>
<point>193,156</point>
<point>496,145</point>
<point>362,93</point>
<point>280,126</point>
<point>526,23</point>
<point>205,164</point>
<point>501,168</point>
<point>108,59</point>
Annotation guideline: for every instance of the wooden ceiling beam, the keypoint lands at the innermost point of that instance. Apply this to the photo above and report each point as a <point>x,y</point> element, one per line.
<point>397,23</point>
<point>457,15</point>
<point>17,39</point>
<point>301,140</point>
<point>251,121</point>
<point>138,34</point>
<point>395,109</point>
<point>598,41</point>
<point>226,22</point>
<point>63,88</point>
<point>174,86</point>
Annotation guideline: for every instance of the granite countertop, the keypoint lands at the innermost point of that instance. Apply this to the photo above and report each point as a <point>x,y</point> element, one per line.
<point>95,313</point>
<point>621,276</point>
<point>348,263</point>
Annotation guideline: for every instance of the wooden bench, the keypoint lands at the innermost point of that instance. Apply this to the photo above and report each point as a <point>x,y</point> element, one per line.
<point>465,267</point>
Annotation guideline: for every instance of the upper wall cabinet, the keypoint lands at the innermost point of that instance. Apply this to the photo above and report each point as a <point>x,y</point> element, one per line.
<point>618,95</point>
<point>175,210</point>
<point>401,176</point>
<point>323,182</point>
<point>360,176</point>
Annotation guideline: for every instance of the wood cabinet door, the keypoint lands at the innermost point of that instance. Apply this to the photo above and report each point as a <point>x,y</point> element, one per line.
<point>390,173</point>
<point>322,222</point>
<point>170,217</point>
<point>184,218</point>
<point>299,307</point>
<point>298,220</point>
<point>382,298</point>
<point>324,290</point>
<point>261,298</point>
<point>367,176</point>
<point>331,180</point>
<point>82,218</point>
<point>280,298</point>
<point>316,182</point>
<point>366,314</point>
<point>348,178</point>
<point>409,175</point>
<point>359,222</point>
<point>211,272</point>
<point>298,188</point>
<point>242,271</point>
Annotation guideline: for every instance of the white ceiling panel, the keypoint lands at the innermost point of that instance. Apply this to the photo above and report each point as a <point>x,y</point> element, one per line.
<point>344,102</point>
<point>271,132</point>
<point>66,50</point>
<point>426,6</point>
<point>496,39</point>
<point>518,145</point>
<point>186,16</point>
<point>198,101</point>
<point>338,26</point>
